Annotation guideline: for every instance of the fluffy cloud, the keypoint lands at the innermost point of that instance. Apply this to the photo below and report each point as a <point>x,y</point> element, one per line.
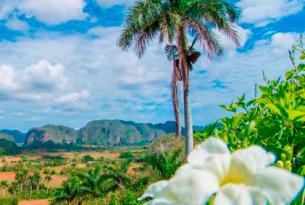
<point>262,13</point>
<point>55,11</point>
<point>38,82</point>
<point>99,80</point>
<point>73,98</point>
<point>49,12</point>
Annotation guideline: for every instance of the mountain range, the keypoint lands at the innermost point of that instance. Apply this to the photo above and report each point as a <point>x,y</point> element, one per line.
<point>99,132</point>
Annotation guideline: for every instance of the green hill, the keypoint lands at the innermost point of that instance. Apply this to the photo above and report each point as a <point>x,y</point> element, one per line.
<point>8,147</point>
<point>118,132</point>
<point>101,132</point>
<point>56,133</point>
<point>13,135</point>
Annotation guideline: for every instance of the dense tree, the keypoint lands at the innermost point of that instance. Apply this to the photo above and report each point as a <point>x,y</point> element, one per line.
<point>176,22</point>
<point>68,193</point>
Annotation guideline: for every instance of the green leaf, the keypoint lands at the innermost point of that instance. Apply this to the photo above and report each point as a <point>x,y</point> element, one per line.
<point>263,100</point>
<point>264,90</point>
<point>274,108</point>
<point>301,67</point>
<point>296,114</point>
<point>302,57</point>
<point>289,74</point>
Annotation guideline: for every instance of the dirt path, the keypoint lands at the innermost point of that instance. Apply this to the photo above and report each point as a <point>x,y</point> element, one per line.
<point>35,202</point>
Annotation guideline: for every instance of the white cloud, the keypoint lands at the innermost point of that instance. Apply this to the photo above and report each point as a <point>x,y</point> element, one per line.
<point>50,12</point>
<point>262,13</point>
<point>106,82</point>
<point>284,40</point>
<point>17,25</point>
<point>109,3</point>
<point>38,82</point>
<point>55,11</point>
<point>73,98</point>
<point>45,76</point>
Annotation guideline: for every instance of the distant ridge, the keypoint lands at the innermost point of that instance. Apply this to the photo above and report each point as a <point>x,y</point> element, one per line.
<point>13,135</point>
<point>101,132</point>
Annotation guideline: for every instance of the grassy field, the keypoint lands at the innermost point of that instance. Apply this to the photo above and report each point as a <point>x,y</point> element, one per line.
<point>58,166</point>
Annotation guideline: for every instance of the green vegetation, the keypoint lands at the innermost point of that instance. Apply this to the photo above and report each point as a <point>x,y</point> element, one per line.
<point>88,158</point>
<point>274,120</point>
<point>8,147</point>
<point>126,154</point>
<point>8,201</point>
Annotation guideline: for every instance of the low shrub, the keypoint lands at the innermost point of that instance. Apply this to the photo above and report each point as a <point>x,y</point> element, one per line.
<point>126,154</point>
<point>8,201</point>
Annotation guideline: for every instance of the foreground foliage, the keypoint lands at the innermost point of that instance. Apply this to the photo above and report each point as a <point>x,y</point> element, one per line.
<point>274,120</point>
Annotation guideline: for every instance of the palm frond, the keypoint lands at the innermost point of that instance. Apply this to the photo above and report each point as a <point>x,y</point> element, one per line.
<point>217,13</point>
<point>206,37</point>
<point>138,19</point>
<point>143,37</point>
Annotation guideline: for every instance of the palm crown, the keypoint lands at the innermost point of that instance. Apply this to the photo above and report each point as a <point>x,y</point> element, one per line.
<point>175,22</point>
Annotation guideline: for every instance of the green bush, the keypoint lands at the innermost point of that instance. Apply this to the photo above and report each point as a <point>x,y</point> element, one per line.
<point>114,199</point>
<point>87,158</point>
<point>126,154</point>
<point>275,119</point>
<point>130,198</point>
<point>8,201</point>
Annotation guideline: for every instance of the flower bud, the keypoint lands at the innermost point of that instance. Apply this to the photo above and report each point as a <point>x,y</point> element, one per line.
<point>283,157</point>
<point>280,164</point>
<point>288,165</point>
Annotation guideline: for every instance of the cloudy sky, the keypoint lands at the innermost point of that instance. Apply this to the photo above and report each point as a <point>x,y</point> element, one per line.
<point>59,63</point>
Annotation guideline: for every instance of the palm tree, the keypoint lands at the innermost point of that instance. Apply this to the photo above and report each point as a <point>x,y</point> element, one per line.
<point>118,175</point>
<point>4,184</point>
<point>48,179</point>
<point>68,193</point>
<point>165,164</point>
<point>176,22</point>
<point>22,178</point>
<point>91,184</point>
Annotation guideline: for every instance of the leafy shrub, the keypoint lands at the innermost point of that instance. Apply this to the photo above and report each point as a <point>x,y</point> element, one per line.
<point>165,164</point>
<point>114,199</point>
<point>126,154</point>
<point>8,201</point>
<point>274,120</point>
<point>87,158</point>
<point>54,160</point>
<point>130,198</point>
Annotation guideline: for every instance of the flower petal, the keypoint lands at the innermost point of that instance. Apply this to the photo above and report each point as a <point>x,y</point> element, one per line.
<point>190,186</point>
<point>211,146</point>
<point>154,190</point>
<point>239,195</point>
<point>280,186</point>
<point>254,158</point>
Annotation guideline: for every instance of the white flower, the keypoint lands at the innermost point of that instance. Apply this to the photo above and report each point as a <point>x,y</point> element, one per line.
<point>242,178</point>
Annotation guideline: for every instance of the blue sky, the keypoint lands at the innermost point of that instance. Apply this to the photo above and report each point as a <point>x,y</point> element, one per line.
<point>59,63</point>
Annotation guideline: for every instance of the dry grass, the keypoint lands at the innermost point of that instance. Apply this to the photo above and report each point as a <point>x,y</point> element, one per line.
<point>7,176</point>
<point>57,181</point>
<point>35,202</point>
<point>132,169</point>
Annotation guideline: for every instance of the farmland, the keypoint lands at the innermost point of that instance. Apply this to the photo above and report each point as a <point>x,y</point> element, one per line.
<point>52,169</point>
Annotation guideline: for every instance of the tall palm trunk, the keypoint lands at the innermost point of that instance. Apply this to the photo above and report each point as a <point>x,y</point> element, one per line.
<point>188,117</point>
<point>176,77</point>
<point>182,47</point>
